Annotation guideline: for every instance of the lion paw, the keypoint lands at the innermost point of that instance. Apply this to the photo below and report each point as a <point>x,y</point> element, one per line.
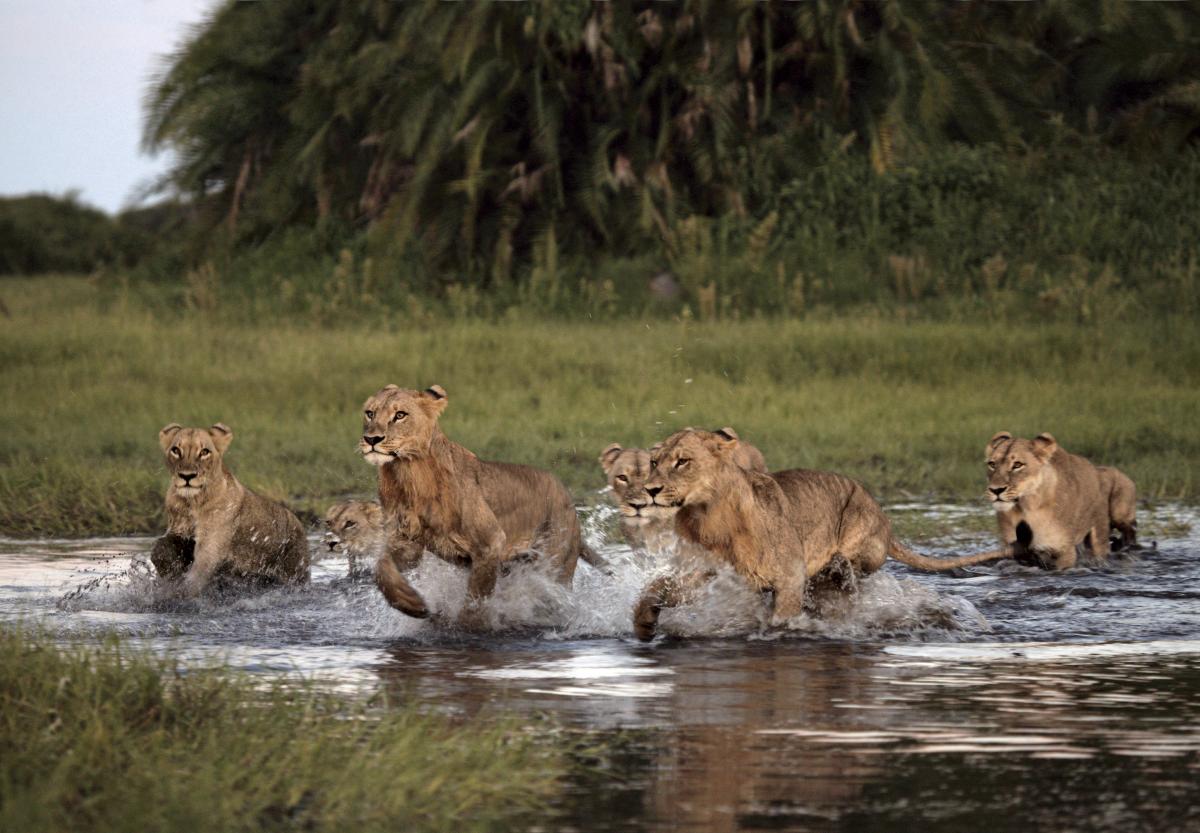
<point>645,621</point>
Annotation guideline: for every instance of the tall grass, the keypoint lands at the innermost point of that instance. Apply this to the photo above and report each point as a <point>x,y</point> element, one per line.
<point>107,738</point>
<point>904,406</point>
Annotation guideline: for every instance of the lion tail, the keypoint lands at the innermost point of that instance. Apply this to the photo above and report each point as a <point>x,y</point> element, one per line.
<point>906,556</point>
<point>594,558</point>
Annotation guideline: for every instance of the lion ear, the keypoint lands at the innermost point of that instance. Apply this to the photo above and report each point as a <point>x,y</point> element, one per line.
<point>723,442</point>
<point>435,399</point>
<point>1044,446</point>
<point>222,436</point>
<point>167,435</point>
<point>997,438</point>
<point>609,456</point>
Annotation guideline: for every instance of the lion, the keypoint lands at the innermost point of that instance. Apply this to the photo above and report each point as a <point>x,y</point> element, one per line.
<point>644,525</point>
<point>1118,489</point>
<point>355,527</point>
<point>437,495</point>
<point>780,531</point>
<point>216,527</point>
<point>1049,502</point>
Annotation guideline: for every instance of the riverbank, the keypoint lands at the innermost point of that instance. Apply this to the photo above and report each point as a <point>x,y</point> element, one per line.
<point>905,406</point>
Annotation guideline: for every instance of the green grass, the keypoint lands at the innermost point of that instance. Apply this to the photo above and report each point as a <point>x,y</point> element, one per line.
<point>107,738</point>
<point>905,406</point>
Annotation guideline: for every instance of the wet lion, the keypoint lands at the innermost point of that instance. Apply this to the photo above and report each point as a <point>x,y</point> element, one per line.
<point>1049,502</point>
<point>778,531</point>
<point>355,527</point>
<point>644,525</point>
<point>216,527</point>
<point>437,495</point>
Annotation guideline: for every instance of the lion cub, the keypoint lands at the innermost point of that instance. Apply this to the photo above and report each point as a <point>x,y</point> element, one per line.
<point>778,531</point>
<point>1049,502</point>
<point>437,495</point>
<point>355,527</point>
<point>644,525</point>
<point>215,525</point>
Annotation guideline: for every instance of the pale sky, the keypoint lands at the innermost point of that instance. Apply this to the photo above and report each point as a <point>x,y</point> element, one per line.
<point>72,77</point>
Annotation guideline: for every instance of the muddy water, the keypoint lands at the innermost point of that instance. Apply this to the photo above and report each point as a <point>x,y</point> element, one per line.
<point>1000,698</point>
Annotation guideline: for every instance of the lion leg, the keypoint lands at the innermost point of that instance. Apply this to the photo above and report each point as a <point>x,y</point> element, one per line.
<point>563,544</point>
<point>209,556</point>
<point>396,589</point>
<point>1128,531</point>
<point>789,598</point>
<point>665,591</point>
<point>172,555</point>
<point>400,554</point>
<point>1099,536</point>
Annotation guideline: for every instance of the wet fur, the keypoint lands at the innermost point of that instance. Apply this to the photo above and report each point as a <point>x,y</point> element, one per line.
<point>221,528</point>
<point>644,525</point>
<point>438,496</point>
<point>355,527</point>
<point>777,531</point>
<point>1049,502</point>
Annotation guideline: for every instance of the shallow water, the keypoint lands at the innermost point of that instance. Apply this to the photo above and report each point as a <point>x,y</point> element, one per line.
<point>999,698</point>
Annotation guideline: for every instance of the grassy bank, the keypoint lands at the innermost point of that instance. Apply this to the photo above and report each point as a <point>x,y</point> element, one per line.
<point>906,406</point>
<point>106,738</point>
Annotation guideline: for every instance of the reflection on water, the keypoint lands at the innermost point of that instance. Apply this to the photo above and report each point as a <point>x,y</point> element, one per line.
<point>1002,698</point>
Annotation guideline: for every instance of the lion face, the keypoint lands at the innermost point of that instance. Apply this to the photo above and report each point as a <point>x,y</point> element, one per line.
<point>685,467</point>
<point>193,455</point>
<point>627,470</point>
<point>398,424</point>
<point>353,526</point>
<point>1015,467</point>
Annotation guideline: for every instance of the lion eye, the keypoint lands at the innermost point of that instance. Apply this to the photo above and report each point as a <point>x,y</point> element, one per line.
<point>680,463</point>
<point>1018,465</point>
<point>399,416</point>
<point>204,452</point>
<point>622,478</point>
<point>369,414</point>
<point>349,525</point>
<point>174,451</point>
<point>991,466</point>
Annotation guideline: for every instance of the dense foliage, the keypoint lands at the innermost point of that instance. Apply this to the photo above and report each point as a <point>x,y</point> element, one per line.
<point>474,136</point>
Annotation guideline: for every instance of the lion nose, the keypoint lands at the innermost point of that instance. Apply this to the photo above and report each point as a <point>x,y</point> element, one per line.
<point>653,490</point>
<point>371,440</point>
<point>332,545</point>
<point>187,478</point>
<point>997,490</point>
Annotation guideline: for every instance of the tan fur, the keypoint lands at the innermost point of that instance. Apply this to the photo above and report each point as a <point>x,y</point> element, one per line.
<point>1121,494</point>
<point>437,495</point>
<point>644,525</point>
<point>355,527</point>
<point>215,525</point>
<point>1049,502</point>
<point>778,531</point>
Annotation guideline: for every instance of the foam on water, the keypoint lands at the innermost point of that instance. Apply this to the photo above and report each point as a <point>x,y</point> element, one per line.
<point>527,602</point>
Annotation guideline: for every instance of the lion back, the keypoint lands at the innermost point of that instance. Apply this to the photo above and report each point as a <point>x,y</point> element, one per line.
<point>269,540</point>
<point>525,500</point>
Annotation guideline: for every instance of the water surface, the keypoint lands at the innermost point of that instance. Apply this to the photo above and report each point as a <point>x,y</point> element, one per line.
<point>997,698</point>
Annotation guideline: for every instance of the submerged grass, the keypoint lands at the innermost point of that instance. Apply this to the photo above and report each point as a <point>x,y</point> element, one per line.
<point>108,738</point>
<point>904,406</point>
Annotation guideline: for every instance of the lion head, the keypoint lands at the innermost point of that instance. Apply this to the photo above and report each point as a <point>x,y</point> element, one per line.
<point>399,423</point>
<point>354,526</point>
<point>193,455</point>
<point>627,470</point>
<point>686,467</point>
<point>1016,466</point>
